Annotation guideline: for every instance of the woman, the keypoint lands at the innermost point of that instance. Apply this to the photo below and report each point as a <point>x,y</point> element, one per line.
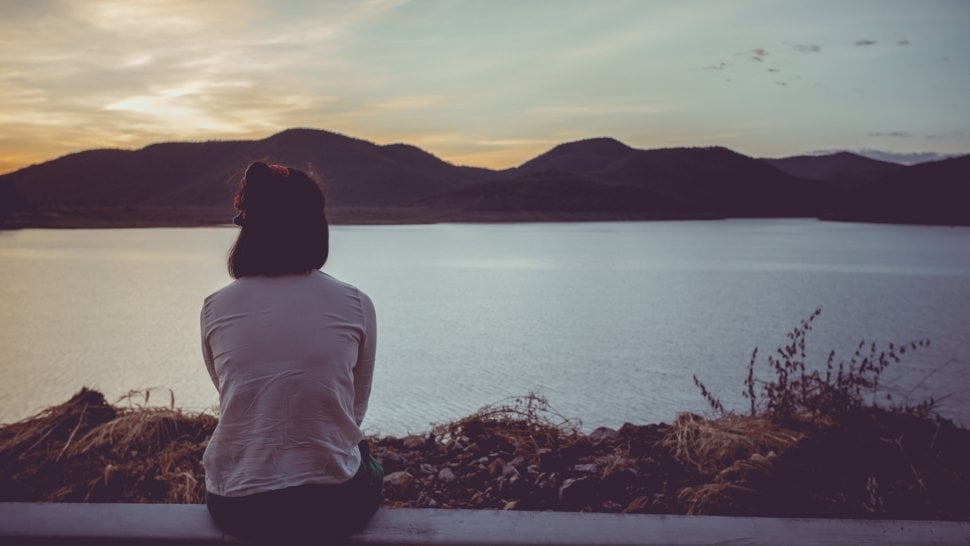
<point>291,351</point>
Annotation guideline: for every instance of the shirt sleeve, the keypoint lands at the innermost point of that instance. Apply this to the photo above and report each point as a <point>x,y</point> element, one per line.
<point>210,364</point>
<point>364,368</point>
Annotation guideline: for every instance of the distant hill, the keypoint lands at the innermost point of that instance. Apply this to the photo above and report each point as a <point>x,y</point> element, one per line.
<point>355,172</point>
<point>711,180</point>
<point>191,183</point>
<point>928,193</point>
<point>841,171</point>
<point>582,156</point>
<point>554,191</point>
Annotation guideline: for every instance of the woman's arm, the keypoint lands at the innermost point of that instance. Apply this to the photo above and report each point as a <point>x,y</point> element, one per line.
<point>210,364</point>
<point>364,368</point>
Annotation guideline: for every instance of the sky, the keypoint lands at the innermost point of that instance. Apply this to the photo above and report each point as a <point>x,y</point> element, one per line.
<point>488,83</point>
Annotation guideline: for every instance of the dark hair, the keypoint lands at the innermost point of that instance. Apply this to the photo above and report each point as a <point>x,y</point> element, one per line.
<point>284,227</point>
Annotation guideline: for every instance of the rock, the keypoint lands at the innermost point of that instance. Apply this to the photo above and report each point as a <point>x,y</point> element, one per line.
<point>589,468</point>
<point>413,443</point>
<point>754,472</point>
<point>497,467</point>
<point>615,482</point>
<point>510,472</point>
<point>627,430</point>
<point>546,482</point>
<point>610,506</point>
<point>603,434</point>
<point>545,456</point>
<point>390,458</point>
<point>428,469</point>
<point>398,482</point>
<point>510,476</point>
<point>510,505</point>
<point>638,504</point>
<point>446,475</point>
<point>574,491</point>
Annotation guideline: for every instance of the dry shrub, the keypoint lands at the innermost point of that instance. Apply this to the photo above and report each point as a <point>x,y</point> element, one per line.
<point>733,454</point>
<point>140,430</point>
<point>54,428</point>
<point>712,445</point>
<point>844,446</point>
<point>521,421</point>
<point>88,450</point>
<point>719,498</point>
<point>793,387</point>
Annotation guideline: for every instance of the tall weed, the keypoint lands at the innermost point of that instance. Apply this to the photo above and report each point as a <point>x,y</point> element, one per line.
<point>793,387</point>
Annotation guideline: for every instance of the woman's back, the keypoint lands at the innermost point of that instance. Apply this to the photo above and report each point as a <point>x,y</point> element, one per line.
<point>292,357</point>
<point>291,351</point>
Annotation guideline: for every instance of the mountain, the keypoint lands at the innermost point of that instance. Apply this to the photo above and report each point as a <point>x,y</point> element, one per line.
<point>582,156</point>
<point>927,193</point>
<point>359,173</point>
<point>712,180</point>
<point>841,171</point>
<point>354,172</point>
<point>191,183</point>
<point>554,191</point>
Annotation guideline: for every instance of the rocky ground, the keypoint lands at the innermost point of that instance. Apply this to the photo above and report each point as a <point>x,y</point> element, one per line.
<point>520,455</point>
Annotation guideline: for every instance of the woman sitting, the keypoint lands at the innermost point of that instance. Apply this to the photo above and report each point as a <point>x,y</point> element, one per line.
<point>291,351</point>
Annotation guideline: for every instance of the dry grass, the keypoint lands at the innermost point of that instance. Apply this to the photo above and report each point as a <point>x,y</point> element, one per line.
<point>520,453</point>
<point>88,450</point>
<point>517,420</point>
<point>712,445</point>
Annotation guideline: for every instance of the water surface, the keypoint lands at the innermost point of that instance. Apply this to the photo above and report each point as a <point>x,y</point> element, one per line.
<point>607,320</point>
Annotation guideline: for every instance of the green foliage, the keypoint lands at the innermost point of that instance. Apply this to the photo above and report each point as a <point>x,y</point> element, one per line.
<point>793,388</point>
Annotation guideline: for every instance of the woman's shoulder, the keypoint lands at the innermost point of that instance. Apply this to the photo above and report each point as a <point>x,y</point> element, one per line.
<point>236,285</point>
<point>315,281</point>
<point>327,279</point>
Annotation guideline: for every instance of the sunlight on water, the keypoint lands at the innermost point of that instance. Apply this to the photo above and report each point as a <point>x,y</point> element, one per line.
<point>608,320</point>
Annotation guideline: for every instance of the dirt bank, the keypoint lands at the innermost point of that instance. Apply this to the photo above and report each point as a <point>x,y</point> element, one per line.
<point>520,455</point>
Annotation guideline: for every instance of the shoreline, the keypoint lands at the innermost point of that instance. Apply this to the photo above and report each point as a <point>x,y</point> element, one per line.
<point>147,217</point>
<point>522,455</point>
<point>187,217</point>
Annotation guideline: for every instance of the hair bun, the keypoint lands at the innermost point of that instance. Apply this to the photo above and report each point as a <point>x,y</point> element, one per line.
<point>258,172</point>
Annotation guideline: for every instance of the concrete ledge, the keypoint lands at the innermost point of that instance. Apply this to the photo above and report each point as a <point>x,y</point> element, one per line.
<point>158,524</point>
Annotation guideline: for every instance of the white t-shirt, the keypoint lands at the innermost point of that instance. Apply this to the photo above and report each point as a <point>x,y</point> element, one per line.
<point>292,358</point>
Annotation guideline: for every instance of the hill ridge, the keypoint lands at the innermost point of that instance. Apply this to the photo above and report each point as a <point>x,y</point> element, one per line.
<point>600,175</point>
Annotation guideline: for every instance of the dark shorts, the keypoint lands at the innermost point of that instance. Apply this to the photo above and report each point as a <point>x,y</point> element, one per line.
<point>303,513</point>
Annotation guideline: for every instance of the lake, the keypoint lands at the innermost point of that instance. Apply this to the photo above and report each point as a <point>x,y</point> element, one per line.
<point>607,320</point>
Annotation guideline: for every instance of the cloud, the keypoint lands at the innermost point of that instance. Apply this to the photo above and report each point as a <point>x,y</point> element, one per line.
<point>759,54</point>
<point>892,134</point>
<point>624,108</point>
<point>806,48</point>
<point>904,42</point>
<point>947,135</point>
<point>78,74</point>
<point>864,43</point>
<point>414,102</point>
<point>904,158</point>
<point>718,66</point>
